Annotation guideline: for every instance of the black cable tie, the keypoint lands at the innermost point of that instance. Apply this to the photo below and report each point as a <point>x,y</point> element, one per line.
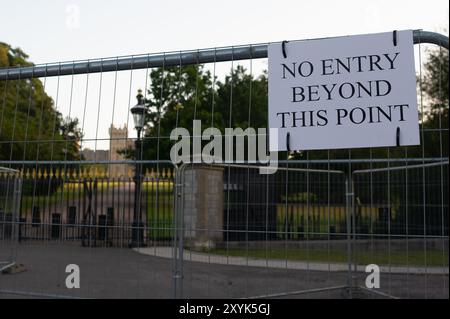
<point>283,47</point>
<point>394,37</point>
<point>288,141</point>
<point>398,136</point>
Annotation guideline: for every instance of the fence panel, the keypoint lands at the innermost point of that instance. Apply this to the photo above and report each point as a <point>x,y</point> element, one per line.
<point>10,190</point>
<point>83,214</point>
<point>275,239</point>
<point>401,224</point>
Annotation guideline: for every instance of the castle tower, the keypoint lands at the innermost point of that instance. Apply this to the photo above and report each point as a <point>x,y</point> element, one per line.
<point>118,141</point>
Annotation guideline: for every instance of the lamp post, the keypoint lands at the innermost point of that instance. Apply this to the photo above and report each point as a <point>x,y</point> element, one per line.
<point>138,111</point>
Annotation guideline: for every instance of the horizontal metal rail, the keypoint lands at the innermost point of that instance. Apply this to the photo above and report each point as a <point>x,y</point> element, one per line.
<point>87,162</point>
<point>298,292</point>
<point>8,170</point>
<point>256,51</point>
<point>379,293</point>
<point>399,168</point>
<point>246,164</point>
<point>37,294</point>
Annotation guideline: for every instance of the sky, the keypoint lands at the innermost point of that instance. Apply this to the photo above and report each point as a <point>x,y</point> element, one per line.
<point>66,30</point>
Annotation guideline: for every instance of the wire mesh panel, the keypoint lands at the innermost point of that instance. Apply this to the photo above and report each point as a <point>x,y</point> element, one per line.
<point>401,225</point>
<point>315,235</point>
<point>10,189</point>
<point>82,196</point>
<point>107,208</point>
<point>84,215</point>
<point>275,239</point>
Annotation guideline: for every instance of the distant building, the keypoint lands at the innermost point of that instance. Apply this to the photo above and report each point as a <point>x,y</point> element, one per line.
<point>98,155</point>
<point>118,141</point>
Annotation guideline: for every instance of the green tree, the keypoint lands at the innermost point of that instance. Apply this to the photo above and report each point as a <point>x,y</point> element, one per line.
<point>435,80</point>
<point>177,96</point>
<point>30,126</point>
<point>242,100</point>
<point>435,85</point>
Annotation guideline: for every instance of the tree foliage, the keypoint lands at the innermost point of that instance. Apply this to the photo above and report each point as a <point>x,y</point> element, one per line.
<point>177,96</point>
<point>30,126</point>
<point>435,86</point>
<point>435,80</point>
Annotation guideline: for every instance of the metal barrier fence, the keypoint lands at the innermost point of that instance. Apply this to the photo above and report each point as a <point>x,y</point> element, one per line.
<point>409,237</point>
<point>10,190</point>
<point>206,230</point>
<point>88,203</point>
<point>326,224</point>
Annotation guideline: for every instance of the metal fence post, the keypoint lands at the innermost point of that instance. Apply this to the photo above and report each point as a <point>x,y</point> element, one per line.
<point>177,271</point>
<point>9,225</point>
<point>349,203</point>
<point>16,209</point>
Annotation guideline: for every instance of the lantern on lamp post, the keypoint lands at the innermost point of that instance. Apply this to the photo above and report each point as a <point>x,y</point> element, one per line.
<point>139,112</point>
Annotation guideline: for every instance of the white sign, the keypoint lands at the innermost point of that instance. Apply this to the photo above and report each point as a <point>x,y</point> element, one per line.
<point>344,92</point>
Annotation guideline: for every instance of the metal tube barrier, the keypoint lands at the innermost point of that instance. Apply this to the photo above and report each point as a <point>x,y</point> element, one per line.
<point>256,51</point>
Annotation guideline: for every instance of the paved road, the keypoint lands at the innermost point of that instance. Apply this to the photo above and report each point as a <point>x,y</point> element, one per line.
<point>124,273</point>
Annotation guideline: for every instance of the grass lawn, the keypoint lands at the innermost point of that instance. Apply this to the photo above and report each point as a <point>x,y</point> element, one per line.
<point>74,191</point>
<point>160,214</point>
<point>413,258</point>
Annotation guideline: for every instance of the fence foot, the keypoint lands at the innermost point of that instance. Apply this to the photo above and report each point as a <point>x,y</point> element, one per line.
<point>12,268</point>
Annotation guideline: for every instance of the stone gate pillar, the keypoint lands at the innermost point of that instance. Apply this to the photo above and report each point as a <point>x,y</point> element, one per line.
<point>203,206</point>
